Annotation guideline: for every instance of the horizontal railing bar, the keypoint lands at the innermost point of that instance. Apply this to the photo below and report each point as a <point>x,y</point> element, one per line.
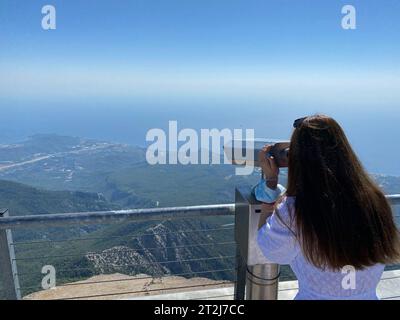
<point>128,250</point>
<point>99,217</point>
<point>227,283</point>
<point>391,298</point>
<point>214,297</point>
<point>133,279</point>
<point>119,237</point>
<point>390,278</point>
<point>296,287</point>
<point>171,213</point>
<point>394,199</point>
<point>139,264</point>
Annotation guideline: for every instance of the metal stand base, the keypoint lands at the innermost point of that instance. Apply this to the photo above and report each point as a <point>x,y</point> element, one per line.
<point>262,282</point>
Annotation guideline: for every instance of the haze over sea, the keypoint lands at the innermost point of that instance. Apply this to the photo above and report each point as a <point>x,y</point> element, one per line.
<point>373,134</point>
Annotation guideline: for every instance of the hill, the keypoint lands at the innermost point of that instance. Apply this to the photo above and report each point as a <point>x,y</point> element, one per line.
<point>156,247</point>
<point>27,200</point>
<point>69,163</point>
<point>120,173</point>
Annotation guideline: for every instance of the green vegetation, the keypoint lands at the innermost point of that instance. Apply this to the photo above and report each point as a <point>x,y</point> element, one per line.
<point>132,247</point>
<point>25,200</point>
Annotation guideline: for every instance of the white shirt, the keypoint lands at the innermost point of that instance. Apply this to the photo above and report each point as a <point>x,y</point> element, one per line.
<point>279,245</point>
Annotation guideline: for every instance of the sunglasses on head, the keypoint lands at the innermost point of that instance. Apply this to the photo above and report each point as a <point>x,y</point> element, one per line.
<point>298,122</point>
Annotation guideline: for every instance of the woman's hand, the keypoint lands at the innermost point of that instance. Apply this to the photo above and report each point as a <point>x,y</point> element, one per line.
<point>268,166</point>
<point>267,210</point>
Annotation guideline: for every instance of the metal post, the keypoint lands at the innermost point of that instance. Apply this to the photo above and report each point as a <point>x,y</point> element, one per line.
<point>240,284</point>
<point>262,282</point>
<point>259,277</point>
<point>8,265</point>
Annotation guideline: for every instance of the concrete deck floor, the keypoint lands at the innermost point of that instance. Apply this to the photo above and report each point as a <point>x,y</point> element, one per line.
<point>388,289</point>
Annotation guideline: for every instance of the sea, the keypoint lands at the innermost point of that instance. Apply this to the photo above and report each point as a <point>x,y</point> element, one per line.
<point>374,132</point>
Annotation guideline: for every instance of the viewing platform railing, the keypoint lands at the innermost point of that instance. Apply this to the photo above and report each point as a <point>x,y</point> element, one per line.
<point>11,257</point>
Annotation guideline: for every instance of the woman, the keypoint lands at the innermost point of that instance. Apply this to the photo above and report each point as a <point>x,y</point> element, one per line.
<point>333,225</point>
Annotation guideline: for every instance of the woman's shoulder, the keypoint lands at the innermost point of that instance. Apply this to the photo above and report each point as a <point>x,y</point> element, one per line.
<point>287,203</point>
<point>289,199</point>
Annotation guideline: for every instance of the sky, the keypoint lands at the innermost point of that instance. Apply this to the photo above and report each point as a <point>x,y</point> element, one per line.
<point>213,48</point>
<point>252,63</point>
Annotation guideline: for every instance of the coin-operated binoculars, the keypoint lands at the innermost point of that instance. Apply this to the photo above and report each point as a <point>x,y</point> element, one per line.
<point>257,278</point>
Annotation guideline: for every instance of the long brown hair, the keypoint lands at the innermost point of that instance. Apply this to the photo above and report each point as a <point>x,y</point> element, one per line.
<point>341,216</point>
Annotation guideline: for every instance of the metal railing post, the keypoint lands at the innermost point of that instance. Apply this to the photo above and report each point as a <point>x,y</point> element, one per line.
<point>240,284</point>
<point>257,279</point>
<point>8,265</point>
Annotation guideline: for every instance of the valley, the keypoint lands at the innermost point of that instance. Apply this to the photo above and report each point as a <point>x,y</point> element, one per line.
<point>55,174</point>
